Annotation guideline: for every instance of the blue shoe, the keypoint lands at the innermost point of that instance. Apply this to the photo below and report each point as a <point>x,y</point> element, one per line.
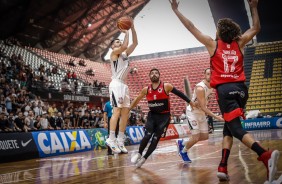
<point>180,146</point>
<point>184,156</point>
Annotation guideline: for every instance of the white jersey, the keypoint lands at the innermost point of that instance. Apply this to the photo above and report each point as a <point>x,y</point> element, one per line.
<point>120,67</point>
<point>208,91</point>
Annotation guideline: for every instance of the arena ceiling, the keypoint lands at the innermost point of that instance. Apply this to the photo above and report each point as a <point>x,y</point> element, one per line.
<point>84,28</point>
<point>81,28</point>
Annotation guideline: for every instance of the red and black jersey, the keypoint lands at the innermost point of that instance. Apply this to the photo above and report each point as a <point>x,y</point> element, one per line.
<point>227,64</point>
<point>158,100</point>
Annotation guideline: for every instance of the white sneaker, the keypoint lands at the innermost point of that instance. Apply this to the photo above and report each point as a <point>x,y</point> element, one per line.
<point>113,145</point>
<point>121,145</point>
<point>135,158</point>
<point>140,162</point>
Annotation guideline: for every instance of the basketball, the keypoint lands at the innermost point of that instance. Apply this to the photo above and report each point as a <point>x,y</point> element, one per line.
<point>124,23</point>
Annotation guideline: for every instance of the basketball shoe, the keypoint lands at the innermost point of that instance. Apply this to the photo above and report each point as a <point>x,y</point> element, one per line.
<point>140,162</point>
<point>135,158</point>
<point>183,155</point>
<point>270,160</point>
<point>113,145</point>
<point>222,173</point>
<point>121,145</point>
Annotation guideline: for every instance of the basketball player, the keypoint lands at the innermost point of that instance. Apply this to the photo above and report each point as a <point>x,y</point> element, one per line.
<point>108,110</point>
<point>228,79</point>
<point>157,94</point>
<point>119,94</point>
<point>197,117</point>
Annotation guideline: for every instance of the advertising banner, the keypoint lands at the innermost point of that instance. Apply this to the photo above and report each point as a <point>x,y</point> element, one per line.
<point>17,146</point>
<point>98,137</point>
<point>171,133</point>
<point>50,143</point>
<point>183,130</point>
<point>135,134</point>
<point>262,123</point>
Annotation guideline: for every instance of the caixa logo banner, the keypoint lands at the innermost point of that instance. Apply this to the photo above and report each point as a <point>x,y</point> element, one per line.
<point>135,134</point>
<point>52,143</point>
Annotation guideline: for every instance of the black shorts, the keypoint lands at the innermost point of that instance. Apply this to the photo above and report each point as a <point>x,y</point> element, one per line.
<point>232,99</point>
<point>157,123</point>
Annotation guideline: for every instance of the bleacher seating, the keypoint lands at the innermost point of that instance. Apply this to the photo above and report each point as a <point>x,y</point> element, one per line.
<point>102,74</point>
<point>173,69</point>
<point>35,62</point>
<point>265,89</point>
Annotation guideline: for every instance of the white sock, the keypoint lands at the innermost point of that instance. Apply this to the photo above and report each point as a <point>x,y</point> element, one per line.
<point>120,135</point>
<point>184,143</point>
<point>184,150</point>
<point>112,135</point>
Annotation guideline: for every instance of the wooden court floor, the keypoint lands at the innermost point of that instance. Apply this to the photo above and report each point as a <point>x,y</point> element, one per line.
<point>163,167</point>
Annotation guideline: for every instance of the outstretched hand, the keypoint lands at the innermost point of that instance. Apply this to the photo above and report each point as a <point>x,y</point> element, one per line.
<point>253,3</point>
<point>132,25</point>
<point>220,118</point>
<point>174,4</point>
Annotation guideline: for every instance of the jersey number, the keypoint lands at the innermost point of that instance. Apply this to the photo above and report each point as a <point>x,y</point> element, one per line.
<point>227,58</point>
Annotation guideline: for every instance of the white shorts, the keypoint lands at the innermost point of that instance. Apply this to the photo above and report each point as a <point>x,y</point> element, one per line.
<point>198,122</point>
<point>119,94</point>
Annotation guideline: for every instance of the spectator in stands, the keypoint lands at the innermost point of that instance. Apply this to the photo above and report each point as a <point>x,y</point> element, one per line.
<point>48,72</point>
<point>95,83</point>
<point>81,62</point>
<point>232,92</point>
<point>68,75</point>
<point>72,62</point>
<point>133,70</point>
<point>67,121</point>
<point>4,123</point>
<point>52,110</point>
<point>44,122</point>
<point>85,120</point>
<point>19,121</point>
<point>8,103</point>
<point>11,123</point>
<point>37,122</point>
<point>92,119</point>
<point>29,120</point>
<point>90,72</point>
<point>74,76</point>
<point>55,70</point>
<point>59,121</point>
<point>183,117</point>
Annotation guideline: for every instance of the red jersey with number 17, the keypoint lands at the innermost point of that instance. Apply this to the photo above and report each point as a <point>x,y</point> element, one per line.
<point>158,100</point>
<point>227,64</point>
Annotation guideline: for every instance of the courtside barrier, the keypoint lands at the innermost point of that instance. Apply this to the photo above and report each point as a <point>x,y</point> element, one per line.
<point>135,134</point>
<point>17,146</point>
<point>262,123</point>
<point>51,143</point>
<point>171,133</point>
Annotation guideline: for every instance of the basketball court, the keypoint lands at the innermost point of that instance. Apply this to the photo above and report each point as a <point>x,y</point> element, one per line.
<point>164,166</point>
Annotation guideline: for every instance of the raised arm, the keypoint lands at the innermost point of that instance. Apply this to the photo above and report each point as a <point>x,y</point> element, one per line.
<point>254,30</point>
<point>131,48</point>
<point>123,47</point>
<point>169,88</point>
<point>138,98</point>
<point>200,93</point>
<point>204,39</point>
